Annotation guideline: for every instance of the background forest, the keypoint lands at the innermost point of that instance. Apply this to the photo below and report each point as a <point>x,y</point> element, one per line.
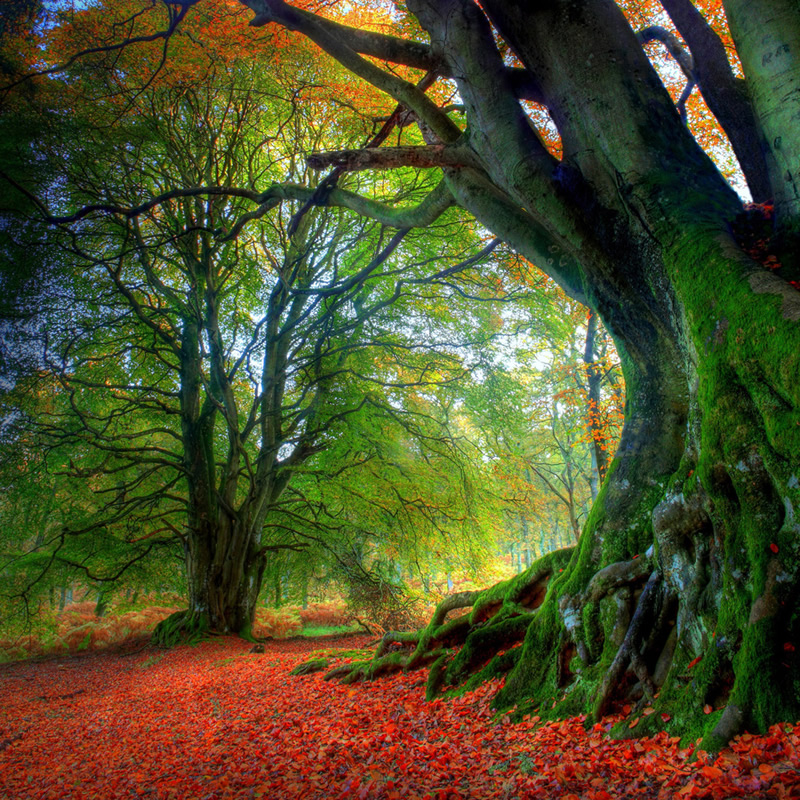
<point>445,412</point>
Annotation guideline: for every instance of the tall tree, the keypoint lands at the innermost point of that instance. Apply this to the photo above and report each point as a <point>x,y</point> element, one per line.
<point>202,352</point>
<point>632,218</point>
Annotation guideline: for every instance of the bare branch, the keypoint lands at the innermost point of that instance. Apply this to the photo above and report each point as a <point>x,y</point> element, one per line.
<point>134,211</point>
<point>174,20</point>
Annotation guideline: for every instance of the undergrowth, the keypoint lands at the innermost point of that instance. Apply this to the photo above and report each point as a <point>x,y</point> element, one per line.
<point>78,629</point>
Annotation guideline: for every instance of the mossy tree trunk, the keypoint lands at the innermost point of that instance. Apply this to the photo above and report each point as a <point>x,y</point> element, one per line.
<point>687,572</point>
<point>226,503</point>
<point>225,571</point>
<point>693,589</point>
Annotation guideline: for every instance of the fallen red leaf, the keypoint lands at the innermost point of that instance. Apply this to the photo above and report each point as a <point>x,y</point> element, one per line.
<point>252,731</point>
<point>711,772</point>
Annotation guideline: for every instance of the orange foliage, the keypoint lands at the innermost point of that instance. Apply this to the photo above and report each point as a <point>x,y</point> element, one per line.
<point>78,629</point>
<point>279,623</point>
<point>325,615</point>
<point>212,35</point>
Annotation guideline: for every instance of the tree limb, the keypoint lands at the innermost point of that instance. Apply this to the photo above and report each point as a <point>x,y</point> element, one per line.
<point>393,49</point>
<point>315,28</point>
<point>724,93</point>
<point>437,155</point>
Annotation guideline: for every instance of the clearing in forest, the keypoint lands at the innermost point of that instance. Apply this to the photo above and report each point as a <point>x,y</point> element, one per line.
<point>216,721</point>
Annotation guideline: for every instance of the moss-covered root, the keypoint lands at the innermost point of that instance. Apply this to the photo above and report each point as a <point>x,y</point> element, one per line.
<point>497,617</point>
<point>369,670</point>
<point>179,628</point>
<point>309,667</point>
<point>484,643</point>
<point>630,651</point>
<point>390,639</point>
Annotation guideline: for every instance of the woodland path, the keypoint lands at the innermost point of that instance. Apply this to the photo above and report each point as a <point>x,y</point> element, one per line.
<point>215,721</point>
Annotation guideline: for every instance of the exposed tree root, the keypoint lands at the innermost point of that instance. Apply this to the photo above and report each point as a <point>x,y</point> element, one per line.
<point>621,627</point>
<point>482,644</point>
<point>180,627</point>
<point>630,652</point>
<point>309,667</point>
<point>459,647</point>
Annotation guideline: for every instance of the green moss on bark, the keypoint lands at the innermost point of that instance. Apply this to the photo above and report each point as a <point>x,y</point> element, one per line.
<point>482,643</point>
<point>182,627</point>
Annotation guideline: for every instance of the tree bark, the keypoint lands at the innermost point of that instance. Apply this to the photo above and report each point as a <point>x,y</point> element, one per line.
<point>225,573</point>
<point>767,34</point>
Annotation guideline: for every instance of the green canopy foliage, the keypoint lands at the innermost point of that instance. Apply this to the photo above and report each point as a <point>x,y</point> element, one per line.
<point>315,377</point>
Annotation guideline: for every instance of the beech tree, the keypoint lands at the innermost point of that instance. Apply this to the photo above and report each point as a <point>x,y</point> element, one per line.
<point>686,576</point>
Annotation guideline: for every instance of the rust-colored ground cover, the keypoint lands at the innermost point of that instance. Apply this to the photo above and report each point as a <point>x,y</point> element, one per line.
<point>214,721</point>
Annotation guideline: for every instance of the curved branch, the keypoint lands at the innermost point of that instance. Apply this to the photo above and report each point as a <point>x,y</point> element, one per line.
<point>419,216</point>
<point>518,227</point>
<point>369,43</point>
<point>656,33</point>
<point>109,578</point>
<point>435,203</point>
<point>317,29</point>
<point>394,49</point>
<point>130,212</point>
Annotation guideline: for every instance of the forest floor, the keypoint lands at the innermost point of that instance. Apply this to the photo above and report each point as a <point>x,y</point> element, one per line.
<point>214,721</point>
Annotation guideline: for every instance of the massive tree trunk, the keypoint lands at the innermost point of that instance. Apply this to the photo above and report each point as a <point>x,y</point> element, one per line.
<point>225,568</point>
<point>705,483</point>
<point>230,491</point>
<point>708,509</point>
<point>224,560</point>
<point>224,555</point>
<point>686,576</point>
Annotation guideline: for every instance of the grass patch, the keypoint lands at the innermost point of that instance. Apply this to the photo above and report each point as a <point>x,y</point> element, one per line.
<point>331,630</point>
